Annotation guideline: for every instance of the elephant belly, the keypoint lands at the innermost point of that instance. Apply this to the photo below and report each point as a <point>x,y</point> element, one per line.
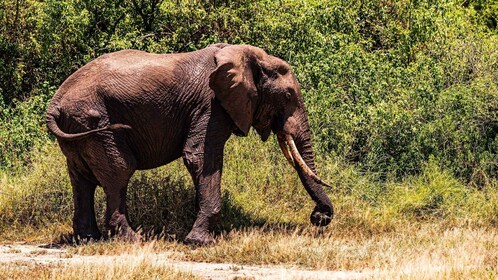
<point>156,148</point>
<point>147,159</point>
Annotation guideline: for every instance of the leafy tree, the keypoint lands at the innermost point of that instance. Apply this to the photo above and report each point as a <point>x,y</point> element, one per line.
<point>388,84</point>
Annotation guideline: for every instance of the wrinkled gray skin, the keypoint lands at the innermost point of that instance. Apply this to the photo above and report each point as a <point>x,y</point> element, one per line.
<point>132,110</point>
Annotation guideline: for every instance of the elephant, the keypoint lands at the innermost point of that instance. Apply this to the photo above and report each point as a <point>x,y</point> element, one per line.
<point>132,110</point>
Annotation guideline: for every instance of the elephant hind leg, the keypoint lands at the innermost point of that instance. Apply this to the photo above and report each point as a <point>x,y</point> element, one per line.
<point>113,167</point>
<point>116,216</point>
<point>84,221</point>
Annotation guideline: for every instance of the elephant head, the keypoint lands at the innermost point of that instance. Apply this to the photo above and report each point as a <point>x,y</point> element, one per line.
<point>260,90</point>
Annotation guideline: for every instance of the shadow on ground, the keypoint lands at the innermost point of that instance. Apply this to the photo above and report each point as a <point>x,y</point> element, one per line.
<point>163,206</point>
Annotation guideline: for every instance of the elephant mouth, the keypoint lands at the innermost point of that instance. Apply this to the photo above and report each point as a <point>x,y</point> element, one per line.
<point>291,153</point>
<point>264,131</point>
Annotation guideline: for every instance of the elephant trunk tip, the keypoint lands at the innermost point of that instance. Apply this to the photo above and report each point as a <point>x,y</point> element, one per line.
<point>322,215</point>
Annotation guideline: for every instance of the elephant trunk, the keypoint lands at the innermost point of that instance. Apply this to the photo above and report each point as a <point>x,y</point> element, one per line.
<point>291,153</point>
<point>295,142</point>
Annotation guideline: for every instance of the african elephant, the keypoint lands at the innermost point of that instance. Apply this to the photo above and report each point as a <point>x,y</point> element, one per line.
<point>132,110</point>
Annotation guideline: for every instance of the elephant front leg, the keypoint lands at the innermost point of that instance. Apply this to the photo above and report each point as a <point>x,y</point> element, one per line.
<point>208,195</point>
<point>203,156</point>
<point>207,177</point>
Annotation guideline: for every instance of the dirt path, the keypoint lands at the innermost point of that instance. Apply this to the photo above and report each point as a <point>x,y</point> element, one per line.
<point>41,255</point>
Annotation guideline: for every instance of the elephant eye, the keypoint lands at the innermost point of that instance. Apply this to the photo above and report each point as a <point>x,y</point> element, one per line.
<point>276,71</point>
<point>290,92</point>
<point>283,69</point>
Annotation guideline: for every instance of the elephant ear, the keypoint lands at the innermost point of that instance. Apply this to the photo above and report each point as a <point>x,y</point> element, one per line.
<point>234,86</point>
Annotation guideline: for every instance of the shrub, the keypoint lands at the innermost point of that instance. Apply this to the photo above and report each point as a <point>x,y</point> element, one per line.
<point>22,127</point>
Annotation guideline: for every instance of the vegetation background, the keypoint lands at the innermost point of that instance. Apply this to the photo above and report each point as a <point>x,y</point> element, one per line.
<point>402,97</point>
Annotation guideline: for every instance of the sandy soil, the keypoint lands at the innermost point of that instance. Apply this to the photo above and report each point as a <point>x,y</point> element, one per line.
<point>42,255</point>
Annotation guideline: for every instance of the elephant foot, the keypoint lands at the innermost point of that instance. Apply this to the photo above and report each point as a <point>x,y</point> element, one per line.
<point>199,238</point>
<point>82,238</point>
<point>128,235</point>
<point>119,229</point>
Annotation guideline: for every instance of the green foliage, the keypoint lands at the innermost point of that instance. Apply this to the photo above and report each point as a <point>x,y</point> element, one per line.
<point>402,95</point>
<point>387,84</point>
<point>486,12</point>
<point>22,126</point>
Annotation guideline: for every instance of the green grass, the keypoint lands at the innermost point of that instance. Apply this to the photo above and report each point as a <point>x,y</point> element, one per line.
<point>259,188</point>
<point>425,226</point>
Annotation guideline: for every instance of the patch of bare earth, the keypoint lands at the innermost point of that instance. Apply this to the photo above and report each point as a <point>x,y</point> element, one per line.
<point>41,255</point>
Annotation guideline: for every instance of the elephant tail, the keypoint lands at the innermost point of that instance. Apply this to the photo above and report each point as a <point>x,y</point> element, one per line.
<point>53,115</point>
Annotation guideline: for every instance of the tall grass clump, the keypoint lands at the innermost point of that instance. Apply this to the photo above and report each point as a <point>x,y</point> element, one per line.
<point>436,195</point>
<point>40,199</point>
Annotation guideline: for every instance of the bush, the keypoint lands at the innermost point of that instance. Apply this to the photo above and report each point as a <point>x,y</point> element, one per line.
<point>22,127</point>
<point>379,78</point>
<point>391,87</point>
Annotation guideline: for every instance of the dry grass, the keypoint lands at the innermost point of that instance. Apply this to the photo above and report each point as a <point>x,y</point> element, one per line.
<point>426,226</point>
<point>427,251</point>
<point>417,252</point>
<point>138,268</point>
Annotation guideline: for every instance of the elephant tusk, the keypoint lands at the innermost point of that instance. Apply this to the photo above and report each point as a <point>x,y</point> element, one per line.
<point>285,149</point>
<point>299,160</point>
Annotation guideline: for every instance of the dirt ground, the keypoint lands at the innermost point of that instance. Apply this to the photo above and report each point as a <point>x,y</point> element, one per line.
<point>16,254</point>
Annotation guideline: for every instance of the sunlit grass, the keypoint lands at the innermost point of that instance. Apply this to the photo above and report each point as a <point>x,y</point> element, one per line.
<point>425,226</point>
<point>420,250</point>
<point>130,268</point>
